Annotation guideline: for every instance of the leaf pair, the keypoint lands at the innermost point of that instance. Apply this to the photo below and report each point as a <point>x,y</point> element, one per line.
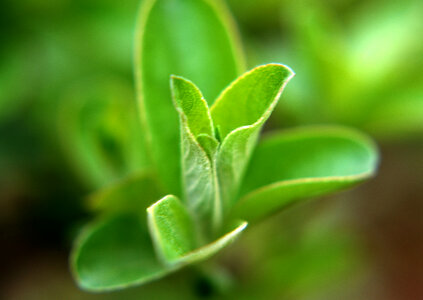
<point>217,143</point>
<point>179,232</point>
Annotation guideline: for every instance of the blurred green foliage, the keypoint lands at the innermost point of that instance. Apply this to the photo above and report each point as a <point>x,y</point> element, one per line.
<point>357,62</point>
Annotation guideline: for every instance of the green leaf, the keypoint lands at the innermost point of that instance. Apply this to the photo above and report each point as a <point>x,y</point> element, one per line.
<point>198,148</point>
<point>194,113</point>
<point>191,38</point>
<point>115,253</point>
<point>250,98</point>
<point>101,132</point>
<point>189,102</point>
<point>239,113</point>
<point>172,228</point>
<point>174,234</point>
<point>302,163</point>
<point>132,194</point>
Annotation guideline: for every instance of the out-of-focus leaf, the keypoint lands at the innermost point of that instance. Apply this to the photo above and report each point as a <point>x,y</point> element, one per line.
<point>304,163</point>
<point>101,131</point>
<point>401,117</point>
<point>382,38</point>
<point>190,38</point>
<point>115,253</point>
<point>12,89</point>
<point>174,233</point>
<point>238,114</point>
<point>323,259</point>
<point>132,194</point>
<point>199,180</point>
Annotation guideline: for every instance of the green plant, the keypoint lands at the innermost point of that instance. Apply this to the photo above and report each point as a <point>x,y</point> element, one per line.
<point>217,175</point>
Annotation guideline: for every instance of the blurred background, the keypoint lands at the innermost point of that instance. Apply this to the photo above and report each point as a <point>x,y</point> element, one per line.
<point>69,125</point>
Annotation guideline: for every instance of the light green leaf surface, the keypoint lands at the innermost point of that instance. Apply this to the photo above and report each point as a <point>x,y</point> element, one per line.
<point>238,114</point>
<point>132,194</point>
<point>302,163</point>
<point>115,253</point>
<point>172,228</point>
<point>175,237</point>
<point>191,38</point>
<point>200,185</point>
<point>190,104</point>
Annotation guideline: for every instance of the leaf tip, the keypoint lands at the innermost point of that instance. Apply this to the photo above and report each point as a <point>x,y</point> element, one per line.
<point>289,71</point>
<point>153,206</point>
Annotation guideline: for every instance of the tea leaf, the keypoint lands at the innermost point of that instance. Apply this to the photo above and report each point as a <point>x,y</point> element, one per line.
<point>239,113</point>
<point>303,163</point>
<point>191,38</point>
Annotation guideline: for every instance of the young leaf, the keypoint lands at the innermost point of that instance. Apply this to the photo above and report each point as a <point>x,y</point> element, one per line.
<point>191,38</point>
<point>239,113</point>
<point>175,237</point>
<point>115,253</point>
<point>172,228</point>
<point>194,112</point>
<point>198,151</point>
<point>303,163</point>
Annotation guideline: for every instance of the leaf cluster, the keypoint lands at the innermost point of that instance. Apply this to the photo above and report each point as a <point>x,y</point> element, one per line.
<point>209,173</point>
